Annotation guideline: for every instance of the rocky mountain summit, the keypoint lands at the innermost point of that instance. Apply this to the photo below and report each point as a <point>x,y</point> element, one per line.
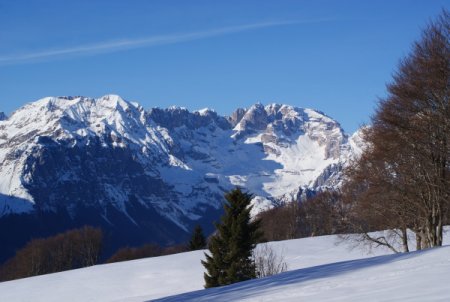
<point>69,161</point>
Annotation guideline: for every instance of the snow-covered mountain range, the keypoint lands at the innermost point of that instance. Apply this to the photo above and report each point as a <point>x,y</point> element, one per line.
<point>109,162</point>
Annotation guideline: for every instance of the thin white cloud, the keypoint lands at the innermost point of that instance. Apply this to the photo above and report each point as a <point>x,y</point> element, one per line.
<point>118,45</point>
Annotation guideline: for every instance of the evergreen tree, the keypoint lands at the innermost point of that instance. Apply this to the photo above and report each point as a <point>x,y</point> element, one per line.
<point>232,246</point>
<point>198,240</point>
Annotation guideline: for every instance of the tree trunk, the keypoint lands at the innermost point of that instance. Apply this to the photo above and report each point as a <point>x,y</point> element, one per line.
<point>418,241</point>
<point>405,240</point>
<point>439,233</point>
<point>424,241</point>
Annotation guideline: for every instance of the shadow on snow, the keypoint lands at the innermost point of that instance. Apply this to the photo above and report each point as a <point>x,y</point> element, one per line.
<point>250,288</point>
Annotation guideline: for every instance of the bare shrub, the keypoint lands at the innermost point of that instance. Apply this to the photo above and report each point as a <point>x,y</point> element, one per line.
<point>267,261</point>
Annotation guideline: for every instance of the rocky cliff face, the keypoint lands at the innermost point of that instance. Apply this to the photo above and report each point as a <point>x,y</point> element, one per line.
<point>154,174</point>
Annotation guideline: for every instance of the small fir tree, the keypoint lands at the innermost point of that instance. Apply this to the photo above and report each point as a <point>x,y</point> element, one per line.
<point>198,240</point>
<point>232,246</point>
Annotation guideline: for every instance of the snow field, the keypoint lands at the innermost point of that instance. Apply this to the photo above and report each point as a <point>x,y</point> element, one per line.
<point>319,269</point>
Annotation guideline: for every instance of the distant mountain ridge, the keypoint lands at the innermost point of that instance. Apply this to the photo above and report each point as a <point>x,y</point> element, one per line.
<point>157,172</point>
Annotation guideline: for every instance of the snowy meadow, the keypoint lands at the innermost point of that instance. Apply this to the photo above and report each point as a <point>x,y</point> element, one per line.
<point>319,269</point>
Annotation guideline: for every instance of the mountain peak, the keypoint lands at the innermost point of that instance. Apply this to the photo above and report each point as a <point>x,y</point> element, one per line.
<point>205,111</point>
<point>114,102</point>
<point>278,116</point>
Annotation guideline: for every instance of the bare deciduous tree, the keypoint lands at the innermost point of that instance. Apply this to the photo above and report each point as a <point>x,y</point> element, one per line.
<point>402,179</point>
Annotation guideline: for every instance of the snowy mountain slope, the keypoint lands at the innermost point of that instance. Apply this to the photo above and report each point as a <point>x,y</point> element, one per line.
<point>277,152</point>
<point>68,162</point>
<point>109,162</point>
<point>74,122</point>
<point>318,269</point>
<point>305,143</point>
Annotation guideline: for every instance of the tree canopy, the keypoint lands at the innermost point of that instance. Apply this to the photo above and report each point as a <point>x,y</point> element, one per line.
<point>198,240</point>
<point>230,259</point>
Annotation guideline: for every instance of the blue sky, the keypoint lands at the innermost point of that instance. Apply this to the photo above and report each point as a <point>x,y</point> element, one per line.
<point>335,56</point>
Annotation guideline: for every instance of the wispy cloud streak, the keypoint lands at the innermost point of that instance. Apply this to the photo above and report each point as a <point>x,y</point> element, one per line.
<point>119,45</point>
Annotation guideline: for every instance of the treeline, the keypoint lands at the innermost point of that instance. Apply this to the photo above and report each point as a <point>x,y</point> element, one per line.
<point>197,242</point>
<point>355,215</point>
<point>72,249</point>
<point>81,248</point>
<point>146,251</point>
<point>323,214</point>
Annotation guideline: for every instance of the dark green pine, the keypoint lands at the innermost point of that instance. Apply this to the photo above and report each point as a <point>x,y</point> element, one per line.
<point>198,240</point>
<point>232,246</point>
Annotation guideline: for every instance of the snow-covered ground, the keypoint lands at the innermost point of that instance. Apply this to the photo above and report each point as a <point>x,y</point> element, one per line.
<point>319,269</point>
